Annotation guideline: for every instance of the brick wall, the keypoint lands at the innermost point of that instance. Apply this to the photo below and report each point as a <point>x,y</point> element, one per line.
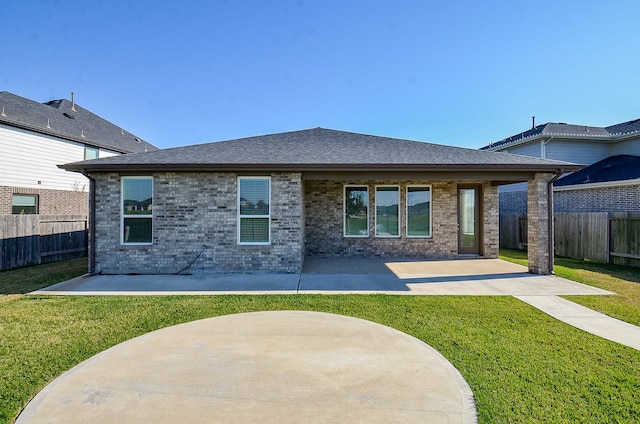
<point>50,202</point>
<point>195,222</point>
<point>324,230</point>
<point>490,221</point>
<point>513,202</point>
<point>538,225</point>
<point>609,199</point>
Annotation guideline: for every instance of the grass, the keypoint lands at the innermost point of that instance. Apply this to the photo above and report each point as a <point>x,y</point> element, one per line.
<point>28,279</point>
<point>522,365</point>
<point>622,280</point>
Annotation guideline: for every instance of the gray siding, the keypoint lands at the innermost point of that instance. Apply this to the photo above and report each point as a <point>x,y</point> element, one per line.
<point>627,147</point>
<point>527,149</point>
<point>577,151</point>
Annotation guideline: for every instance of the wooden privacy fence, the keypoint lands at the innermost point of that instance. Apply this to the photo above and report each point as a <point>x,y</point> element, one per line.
<point>610,237</point>
<point>34,239</point>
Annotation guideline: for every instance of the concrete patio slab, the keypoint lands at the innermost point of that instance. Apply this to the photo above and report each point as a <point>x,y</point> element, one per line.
<point>473,277</point>
<point>268,367</point>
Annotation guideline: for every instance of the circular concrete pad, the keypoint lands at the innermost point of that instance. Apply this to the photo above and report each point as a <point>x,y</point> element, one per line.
<point>278,367</point>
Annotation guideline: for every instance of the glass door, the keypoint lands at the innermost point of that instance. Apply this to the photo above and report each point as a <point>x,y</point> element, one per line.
<point>468,220</point>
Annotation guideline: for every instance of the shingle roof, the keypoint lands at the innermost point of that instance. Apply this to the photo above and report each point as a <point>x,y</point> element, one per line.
<point>624,128</point>
<point>319,149</point>
<point>613,168</point>
<point>561,129</point>
<point>57,118</point>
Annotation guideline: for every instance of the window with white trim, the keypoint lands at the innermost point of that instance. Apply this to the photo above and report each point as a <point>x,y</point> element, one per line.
<point>387,211</point>
<point>356,211</point>
<point>137,210</point>
<point>418,211</point>
<point>254,210</point>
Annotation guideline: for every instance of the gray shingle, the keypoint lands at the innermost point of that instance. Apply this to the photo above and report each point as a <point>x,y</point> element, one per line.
<point>613,168</point>
<point>57,118</point>
<point>317,149</point>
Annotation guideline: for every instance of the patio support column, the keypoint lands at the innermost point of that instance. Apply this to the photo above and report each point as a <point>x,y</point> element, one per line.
<point>539,224</point>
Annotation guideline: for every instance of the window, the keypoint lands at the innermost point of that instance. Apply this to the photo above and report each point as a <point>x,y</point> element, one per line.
<point>254,210</point>
<point>387,211</point>
<point>419,211</point>
<point>91,152</point>
<point>24,204</point>
<point>137,210</point>
<point>356,211</point>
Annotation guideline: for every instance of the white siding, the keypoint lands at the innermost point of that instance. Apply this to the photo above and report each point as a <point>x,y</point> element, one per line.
<point>30,160</point>
<point>582,152</point>
<point>106,153</point>
<point>627,147</point>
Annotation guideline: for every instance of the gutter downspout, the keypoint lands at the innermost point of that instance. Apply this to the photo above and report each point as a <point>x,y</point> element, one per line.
<point>552,253</point>
<point>91,245</point>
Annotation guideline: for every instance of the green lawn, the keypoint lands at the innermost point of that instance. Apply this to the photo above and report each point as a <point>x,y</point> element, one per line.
<point>622,280</point>
<point>522,365</point>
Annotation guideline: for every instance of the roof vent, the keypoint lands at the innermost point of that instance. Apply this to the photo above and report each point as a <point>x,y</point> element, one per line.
<point>3,114</point>
<point>70,116</point>
<point>137,139</point>
<point>73,102</point>
<point>533,122</point>
<point>82,133</point>
<point>48,123</point>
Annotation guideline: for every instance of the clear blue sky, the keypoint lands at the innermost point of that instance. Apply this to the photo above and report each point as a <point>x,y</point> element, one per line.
<point>463,73</point>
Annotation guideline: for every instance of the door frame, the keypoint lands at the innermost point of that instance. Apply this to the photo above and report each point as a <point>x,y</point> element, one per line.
<point>476,249</point>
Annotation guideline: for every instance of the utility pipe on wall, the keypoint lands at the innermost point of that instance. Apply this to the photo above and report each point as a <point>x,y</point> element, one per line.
<point>92,222</point>
<point>550,212</point>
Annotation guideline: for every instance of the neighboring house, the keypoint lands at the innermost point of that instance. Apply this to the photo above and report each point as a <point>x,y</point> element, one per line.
<point>36,137</point>
<point>579,144</point>
<point>265,203</point>
<point>610,185</point>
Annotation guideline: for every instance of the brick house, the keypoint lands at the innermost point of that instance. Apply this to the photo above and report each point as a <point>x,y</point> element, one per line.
<point>263,204</point>
<point>36,137</point>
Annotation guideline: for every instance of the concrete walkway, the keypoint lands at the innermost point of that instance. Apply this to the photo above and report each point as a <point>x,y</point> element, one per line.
<point>265,367</point>
<point>586,319</point>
